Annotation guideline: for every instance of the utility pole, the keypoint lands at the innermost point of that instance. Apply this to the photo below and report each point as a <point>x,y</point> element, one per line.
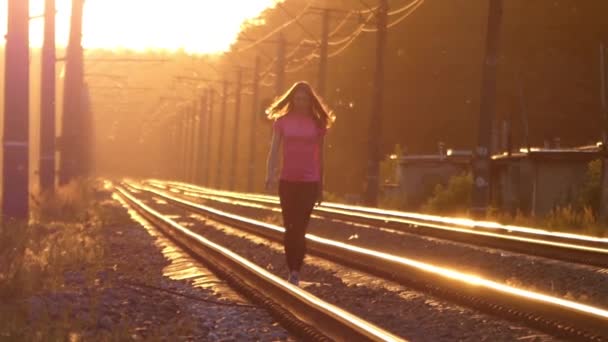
<point>165,137</point>
<point>196,119</point>
<point>203,132</point>
<point>72,129</point>
<point>210,97</point>
<point>255,103</point>
<point>195,124</point>
<point>47,101</point>
<point>181,124</point>
<point>235,139</point>
<point>375,123</point>
<point>175,150</point>
<point>87,139</point>
<point>187,142</point>
<point>189,122</point>
<point>15,166</point>
<point>220,155</point>
<point>322,78</point>
<point>480,198</point>
<point>603,205</point>
<point>280,71</point>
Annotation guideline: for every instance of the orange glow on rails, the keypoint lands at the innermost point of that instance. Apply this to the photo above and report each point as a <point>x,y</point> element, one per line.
<point>298,292</point>
<point>195,26</point>
<point>406,218</point>
<point>453,274</point>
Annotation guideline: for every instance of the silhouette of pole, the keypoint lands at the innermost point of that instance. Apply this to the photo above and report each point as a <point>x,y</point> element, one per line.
<point>175,156</point>
<point>480,197</point>
<point>194,125</point>
<point>280,71</point>
<point>322,78</point>
<point>255,103</point>
<point>210,97</point>
<point>203,132</point>
<point>237,121</point>
<point>603,205</point>
<point>72,123</point>
<point>166,136</point>
<point>15,166</point>
<point>47,101</point>
<point>188,147</point>
<point>184,148</point>
<point>375,123</point>
<point>220,147</point>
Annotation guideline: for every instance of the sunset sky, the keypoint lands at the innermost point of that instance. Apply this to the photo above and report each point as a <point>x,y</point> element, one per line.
<point>197,26</point>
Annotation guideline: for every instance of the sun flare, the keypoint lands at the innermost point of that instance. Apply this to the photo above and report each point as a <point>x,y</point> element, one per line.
<point>195,26</point>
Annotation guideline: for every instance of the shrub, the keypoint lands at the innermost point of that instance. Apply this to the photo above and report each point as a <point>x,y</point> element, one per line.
<point>34,258</point>
<point>590,192</point>
<point>452,199</point>
<point>69,203</point>
<point>572,219</point>
<point>14,239</point>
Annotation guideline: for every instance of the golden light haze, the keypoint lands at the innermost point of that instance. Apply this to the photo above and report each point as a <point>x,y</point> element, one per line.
<point>196,26</point>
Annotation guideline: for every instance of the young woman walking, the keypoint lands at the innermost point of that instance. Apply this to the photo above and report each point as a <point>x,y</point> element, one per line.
<point>300,123</point>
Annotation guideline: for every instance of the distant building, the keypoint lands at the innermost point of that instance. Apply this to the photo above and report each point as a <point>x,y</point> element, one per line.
<point>533,181</point>
<point>537,180</point>
<point>418,175</point>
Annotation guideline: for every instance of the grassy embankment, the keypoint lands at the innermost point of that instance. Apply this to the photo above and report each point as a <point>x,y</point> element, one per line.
<point>34,258</point>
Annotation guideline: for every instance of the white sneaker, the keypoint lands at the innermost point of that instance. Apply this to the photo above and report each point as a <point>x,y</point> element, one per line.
<point>294,278</point>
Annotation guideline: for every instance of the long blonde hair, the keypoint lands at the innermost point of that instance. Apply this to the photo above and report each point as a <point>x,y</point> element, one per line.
<point>284,104</point>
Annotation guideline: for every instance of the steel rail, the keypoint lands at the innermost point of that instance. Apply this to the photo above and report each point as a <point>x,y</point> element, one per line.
<point>592,252</point>
<point>553,315</point>
<point>321,319</point>
<point>462,222</point>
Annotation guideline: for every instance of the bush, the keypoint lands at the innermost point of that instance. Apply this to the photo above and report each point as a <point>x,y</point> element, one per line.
<point>568,217</point>
<point>34,258</point>
<point>453,199</point>
<point>590,192</point>
<point>14,238</point>
<point>69,203</point>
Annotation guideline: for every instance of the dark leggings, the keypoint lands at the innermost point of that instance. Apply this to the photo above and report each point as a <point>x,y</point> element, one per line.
<point>297,201</point>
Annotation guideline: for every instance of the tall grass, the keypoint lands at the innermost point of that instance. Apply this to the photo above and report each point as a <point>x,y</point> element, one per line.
<point>35,256</point>
<point>69,203</point>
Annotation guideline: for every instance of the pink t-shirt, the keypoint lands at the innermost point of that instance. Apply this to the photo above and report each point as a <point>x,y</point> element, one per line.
<point>301,147</point>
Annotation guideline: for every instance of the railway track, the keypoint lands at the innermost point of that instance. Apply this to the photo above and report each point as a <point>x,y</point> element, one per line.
<point>302,313</point>
<point>574,248</point>
<point>553,315</point>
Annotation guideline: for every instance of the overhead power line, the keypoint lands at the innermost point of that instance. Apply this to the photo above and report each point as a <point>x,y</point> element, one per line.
<point>396,22</point>
<point>299,23</point>
<point>403,9</point>
<point>347,41</point>
<point>369,8</point>
<point>277,30</point>
<point>409,9</point>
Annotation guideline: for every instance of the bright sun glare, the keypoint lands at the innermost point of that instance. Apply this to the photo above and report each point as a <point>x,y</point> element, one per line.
<point>197,26</point>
